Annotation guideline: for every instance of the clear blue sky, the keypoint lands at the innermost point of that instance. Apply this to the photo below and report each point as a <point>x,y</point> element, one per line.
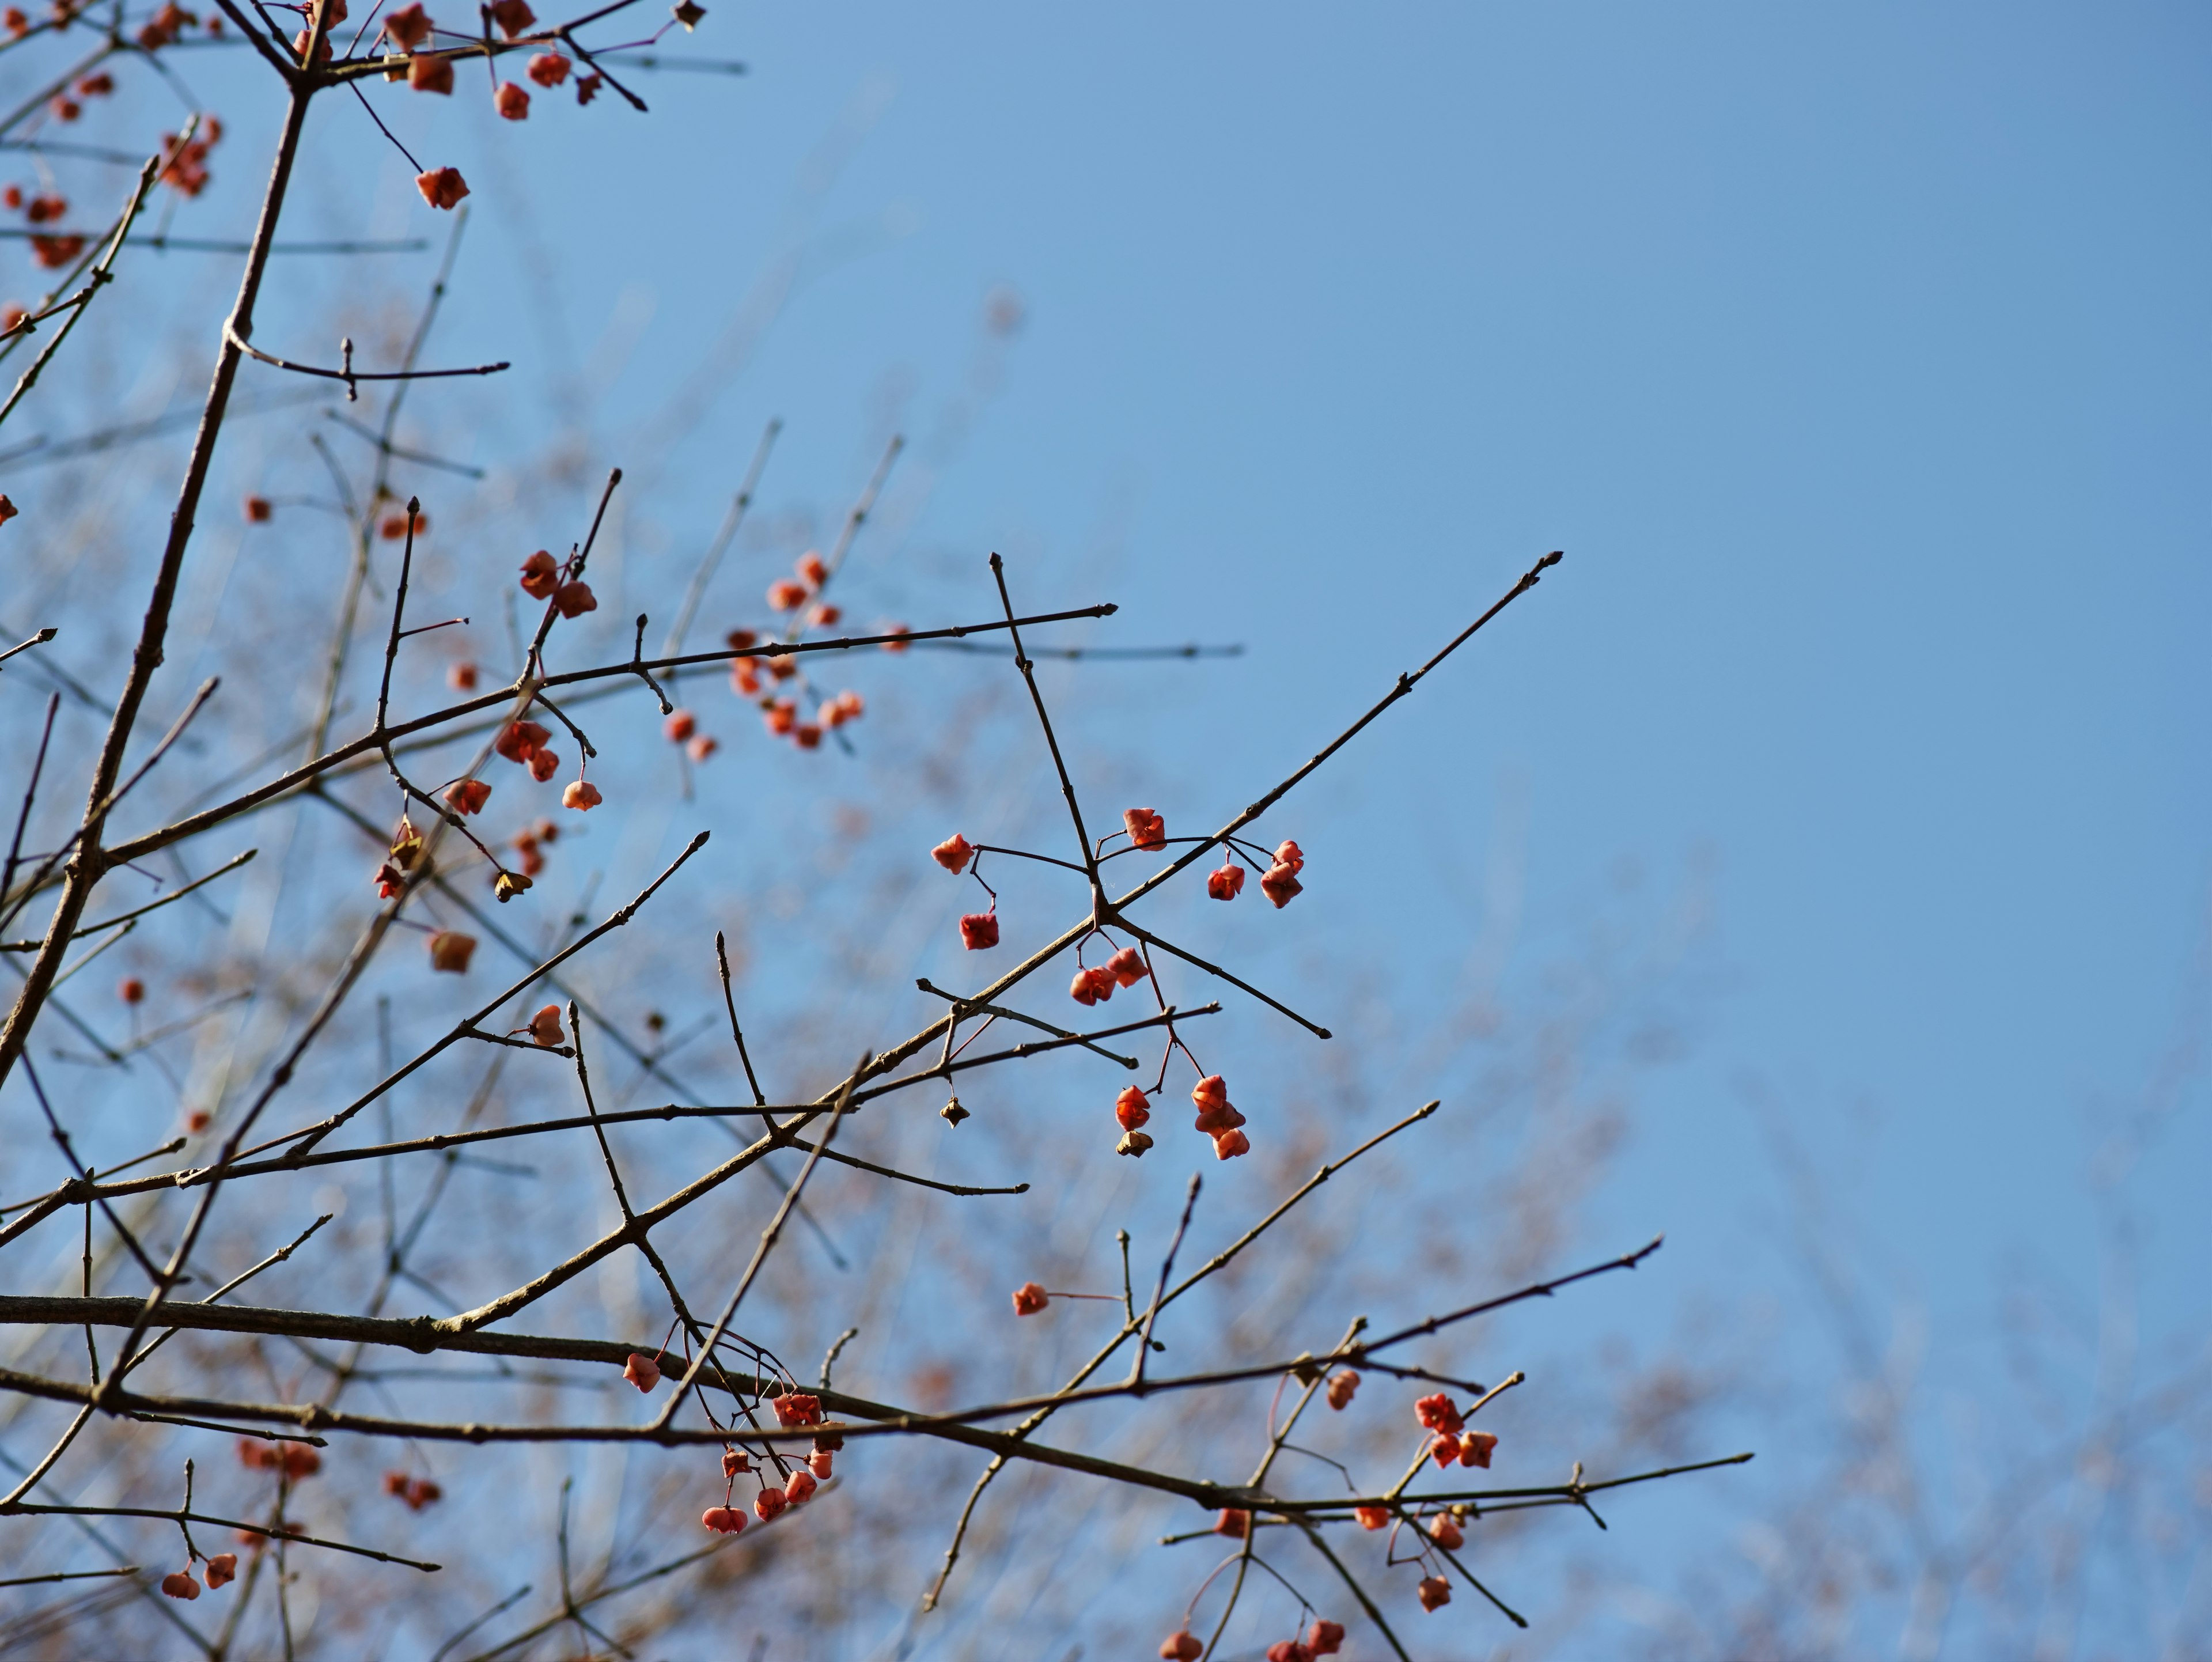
<point>1860,362</point>
<point>1859,358</point>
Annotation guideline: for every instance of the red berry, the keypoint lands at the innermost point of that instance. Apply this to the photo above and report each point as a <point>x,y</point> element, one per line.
<point>979,930</point>
<point>1437,1413</point>
<point>520,740</point>
<point>800,1487</point>
<point>641,1370</point>
<point>1146,829</point>
<point>1325,1638</point>
<point>1372,1517</point>
<point>797,1407</point>
<point>1234,1521</point>
<point>221,1567</point>
<point>1030,1298</point>
<point>1182,1647</point>
<point>1280,884</point>
<point>953,853</point>
<point>768,1503</point>
<point>1131,1108</point>
<point>178,1584</point>
<point>540,577</point>
<point>723,1521</point>
<point>1341,1385</point>
<point>1475,1449</point>
<point>1435,1592</point>
<point>1127,966</point>
<point>1444,1530</point>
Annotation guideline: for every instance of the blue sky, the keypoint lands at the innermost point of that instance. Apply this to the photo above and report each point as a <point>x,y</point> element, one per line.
<point>1858,362</point>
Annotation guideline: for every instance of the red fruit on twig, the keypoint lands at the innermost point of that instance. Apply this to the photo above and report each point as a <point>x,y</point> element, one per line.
<point>641,1370</point>
<point>800,1487</point>
<point>408,27</point>
<point>520,740</point>
<point>1030,1298</point>
<point>222,1569</point>
<point>1325,1638</point>
<point>1233,1522</point>
<point>1182,1646</point>
<point>540,577</point>
<point>1146,829</point>
<point>467,795</point>
<point>797,1407</point>
<point>979,931</point>
<point>442,187</point>
<point>953,854</point>
<point>1131,1108</point>
<point>178,1584</point>
<point>723,1521</point>
<point>1435,1592</point>
<point>1437,1413</point>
